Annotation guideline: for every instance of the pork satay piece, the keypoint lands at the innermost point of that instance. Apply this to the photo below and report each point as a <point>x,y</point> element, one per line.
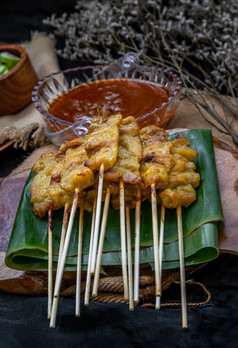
<point>59,196</point>
<point>183,173</point>
<point>58,175</point>
<point>40,198</point>
<point>181,146</point>
<point>71,144</point>
<point>70,172</point>
<point>80,177</point>
<point>89,199</point>
<point>101,144</point>
<point>130,195</point>
<point>182,178</point>
<point>157,158</point>
<point>181,196</point>
<point>129,154</point>
<point>71,159</point>
<point>75,155</point>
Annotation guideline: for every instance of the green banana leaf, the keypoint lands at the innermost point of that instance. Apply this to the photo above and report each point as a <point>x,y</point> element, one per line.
<point>28,245</point>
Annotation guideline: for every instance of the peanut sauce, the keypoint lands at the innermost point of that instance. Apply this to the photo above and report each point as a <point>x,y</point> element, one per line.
<point>129,97</point>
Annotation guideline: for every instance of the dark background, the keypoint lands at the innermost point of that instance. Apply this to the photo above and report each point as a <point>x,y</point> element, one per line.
<point>18,19</point>
<point>23,320</point>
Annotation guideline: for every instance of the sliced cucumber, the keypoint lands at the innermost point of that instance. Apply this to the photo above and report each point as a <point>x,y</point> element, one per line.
<point>7,62</point>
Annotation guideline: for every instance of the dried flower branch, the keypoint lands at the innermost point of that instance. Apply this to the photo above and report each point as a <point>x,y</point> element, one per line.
<point>196,38</point>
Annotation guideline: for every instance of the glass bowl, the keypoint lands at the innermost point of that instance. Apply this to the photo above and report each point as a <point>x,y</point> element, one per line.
<point>53,88</point>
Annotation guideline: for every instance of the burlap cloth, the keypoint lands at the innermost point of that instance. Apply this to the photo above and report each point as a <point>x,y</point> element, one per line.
<point>26,127</point>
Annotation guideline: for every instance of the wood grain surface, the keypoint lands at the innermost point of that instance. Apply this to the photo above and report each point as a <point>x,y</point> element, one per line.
<point>227,171</point>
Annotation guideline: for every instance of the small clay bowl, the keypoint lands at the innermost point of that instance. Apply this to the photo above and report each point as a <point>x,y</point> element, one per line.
<point>16,86</point>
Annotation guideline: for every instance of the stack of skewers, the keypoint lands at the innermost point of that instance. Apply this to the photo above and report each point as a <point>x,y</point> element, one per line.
<point>120,163</point>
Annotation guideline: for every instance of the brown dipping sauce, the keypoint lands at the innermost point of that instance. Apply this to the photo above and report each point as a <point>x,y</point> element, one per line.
<point>129,97</point>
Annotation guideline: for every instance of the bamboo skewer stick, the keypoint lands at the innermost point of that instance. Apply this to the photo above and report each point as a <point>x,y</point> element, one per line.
<point>79,263</point>
<point>130,275</point>
<point>88,279</point>
<point>137,247</point>
<point>63,232</point>
<point>182,269</point>
<point>50,262</point>
<point>155,240</point>
<point>123,240</point>
<point>59,274</point>
<point>161,243</point>
<point>101,241</point>
<point>97,218</point>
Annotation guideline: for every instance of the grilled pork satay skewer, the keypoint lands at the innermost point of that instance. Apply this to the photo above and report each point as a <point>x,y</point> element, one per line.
<point>101,145</point>
<point>156,164</point>
<point>181,192</point>
<point>69,178</point>
<point>59,274</point>
<point>79,263</point>
<point>42,203</point>
<point>71,172</point>
<point>68,182</point>
<point>126,170</point>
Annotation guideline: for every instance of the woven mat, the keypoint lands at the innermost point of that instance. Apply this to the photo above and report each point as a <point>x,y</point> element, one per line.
<point>110,287</point>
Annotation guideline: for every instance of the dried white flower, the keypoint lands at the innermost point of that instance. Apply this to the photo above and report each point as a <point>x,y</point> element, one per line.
<point>203,31</point>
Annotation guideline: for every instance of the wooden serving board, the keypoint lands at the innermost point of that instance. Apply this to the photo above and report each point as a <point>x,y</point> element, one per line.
<point>30,283</point>
<point>227,171</point>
